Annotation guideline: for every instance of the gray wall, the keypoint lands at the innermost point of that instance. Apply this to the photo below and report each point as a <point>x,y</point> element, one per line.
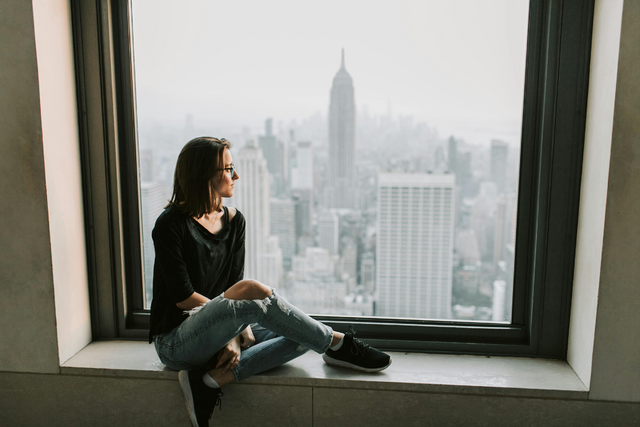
<point>28,337</point>
<point>616,354</point>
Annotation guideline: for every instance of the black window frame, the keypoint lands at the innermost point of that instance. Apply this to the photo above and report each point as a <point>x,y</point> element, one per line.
<point>554,116</point>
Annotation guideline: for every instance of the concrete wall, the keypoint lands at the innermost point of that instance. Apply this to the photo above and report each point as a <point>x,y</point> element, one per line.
<point>616,351</point>
<point>604,345</point>
<point>28,337</point>
<point>108,402</point>
<point>44,302</point>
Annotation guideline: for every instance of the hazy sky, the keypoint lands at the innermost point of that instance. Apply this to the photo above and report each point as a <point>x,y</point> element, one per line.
<point>242,61</point>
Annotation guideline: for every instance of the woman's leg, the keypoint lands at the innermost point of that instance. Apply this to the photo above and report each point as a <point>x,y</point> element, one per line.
<point>252,289</point>
<point>269,351</point>
<point>205,332</point>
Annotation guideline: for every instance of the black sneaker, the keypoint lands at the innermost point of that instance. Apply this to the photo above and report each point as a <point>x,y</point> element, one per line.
<point>355,354</point>
<point>200,399</point>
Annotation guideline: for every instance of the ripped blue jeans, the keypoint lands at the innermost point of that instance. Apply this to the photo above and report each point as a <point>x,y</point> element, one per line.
<point>282,332</point>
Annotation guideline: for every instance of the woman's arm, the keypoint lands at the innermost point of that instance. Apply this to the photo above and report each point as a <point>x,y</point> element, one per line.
<point>193,301</point>
<point>168,237</point>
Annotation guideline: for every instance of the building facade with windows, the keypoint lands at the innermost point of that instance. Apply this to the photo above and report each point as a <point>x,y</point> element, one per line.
<point>415,245</point>
<point>252,199</point>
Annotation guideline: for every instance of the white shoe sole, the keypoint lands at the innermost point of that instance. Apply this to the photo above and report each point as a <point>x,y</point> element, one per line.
<point>335,362</point>
<point>183,377</point>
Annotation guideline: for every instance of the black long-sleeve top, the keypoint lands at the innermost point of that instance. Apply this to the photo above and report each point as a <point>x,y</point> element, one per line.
<point>190,259</point>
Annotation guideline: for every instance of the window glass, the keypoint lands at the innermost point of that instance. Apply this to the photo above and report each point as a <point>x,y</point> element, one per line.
<point>389,140</point>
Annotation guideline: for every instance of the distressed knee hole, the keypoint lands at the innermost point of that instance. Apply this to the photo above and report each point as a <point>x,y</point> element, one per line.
<point>263,304</point>
<point>283,307</point>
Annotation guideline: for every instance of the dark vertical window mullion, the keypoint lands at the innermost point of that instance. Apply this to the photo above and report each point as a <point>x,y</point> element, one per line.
<point>92,47</point>
<point>131,210</point>
<point>568,142</point>
<point>83,130</point>
<point>544,154</point>
<point>529,153</point>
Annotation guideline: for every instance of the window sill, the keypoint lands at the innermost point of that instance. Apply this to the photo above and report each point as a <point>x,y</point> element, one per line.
<point>414,372</point>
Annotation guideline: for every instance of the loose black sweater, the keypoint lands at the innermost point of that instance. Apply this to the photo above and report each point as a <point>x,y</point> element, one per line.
<point>190,259</point>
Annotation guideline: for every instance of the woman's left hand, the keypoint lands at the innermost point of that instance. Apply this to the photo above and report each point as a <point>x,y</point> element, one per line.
<point>229,355</point>
<point>246,338</point>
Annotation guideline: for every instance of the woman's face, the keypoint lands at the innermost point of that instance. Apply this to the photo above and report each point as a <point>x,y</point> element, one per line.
<point>227,179</point>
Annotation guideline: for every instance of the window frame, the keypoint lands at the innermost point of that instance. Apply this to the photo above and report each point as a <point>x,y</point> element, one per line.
<point>554,116</point>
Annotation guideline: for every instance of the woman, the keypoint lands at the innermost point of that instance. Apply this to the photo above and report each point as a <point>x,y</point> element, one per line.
<point>206,320</point>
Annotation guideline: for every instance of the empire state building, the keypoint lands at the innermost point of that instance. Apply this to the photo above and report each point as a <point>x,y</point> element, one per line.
<point>342,141</point>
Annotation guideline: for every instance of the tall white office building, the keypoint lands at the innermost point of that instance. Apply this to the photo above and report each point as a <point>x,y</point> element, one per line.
<point>414,248</point>
<point>329,232</point>
<point>342,141</point>
<point>252,199</point>
<point>271,263</point>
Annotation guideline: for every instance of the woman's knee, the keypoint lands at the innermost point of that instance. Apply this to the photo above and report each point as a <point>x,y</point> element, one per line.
<point>248,289</point>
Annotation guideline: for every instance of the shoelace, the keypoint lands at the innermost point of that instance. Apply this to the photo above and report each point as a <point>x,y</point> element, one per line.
<point>357,346</point>
<point>218,403</point>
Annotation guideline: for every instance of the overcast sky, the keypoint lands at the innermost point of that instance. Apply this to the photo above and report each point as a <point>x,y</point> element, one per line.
<point>242,61</point>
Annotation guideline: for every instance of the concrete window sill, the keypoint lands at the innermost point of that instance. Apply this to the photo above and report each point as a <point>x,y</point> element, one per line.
<point>414,372</point>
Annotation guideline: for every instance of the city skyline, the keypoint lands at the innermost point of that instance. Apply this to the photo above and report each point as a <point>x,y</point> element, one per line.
<point>428,230</point>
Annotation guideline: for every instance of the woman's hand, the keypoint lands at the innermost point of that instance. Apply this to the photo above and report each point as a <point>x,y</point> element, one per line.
<point>229,355</point>
<point>246,338</point>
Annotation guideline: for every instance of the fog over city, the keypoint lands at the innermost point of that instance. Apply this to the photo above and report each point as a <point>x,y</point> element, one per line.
<point>377,143</point>
<point>454,64</point>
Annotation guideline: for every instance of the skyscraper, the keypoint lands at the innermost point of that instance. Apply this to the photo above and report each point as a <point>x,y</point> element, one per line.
<point>414,248</point>
<point>349,257</point>
<point>271,263</point>
<point>328,232</point>
<point>303,201</point>
<point>283,225</point>
<point>500,229</point>
<point>342,141</point>
<point>499,151</point>
<point>302,188</point>
<point>368,272</point>
<point>452,156</point>
<point>302,173</point>
<point>273,152</point>
<point>252,199</point>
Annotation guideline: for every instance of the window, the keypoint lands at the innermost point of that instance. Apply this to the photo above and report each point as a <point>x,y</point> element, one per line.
<point>555,84</point>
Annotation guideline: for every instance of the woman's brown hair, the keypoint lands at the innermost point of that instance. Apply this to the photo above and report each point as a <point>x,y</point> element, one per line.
<point>198,170</point>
